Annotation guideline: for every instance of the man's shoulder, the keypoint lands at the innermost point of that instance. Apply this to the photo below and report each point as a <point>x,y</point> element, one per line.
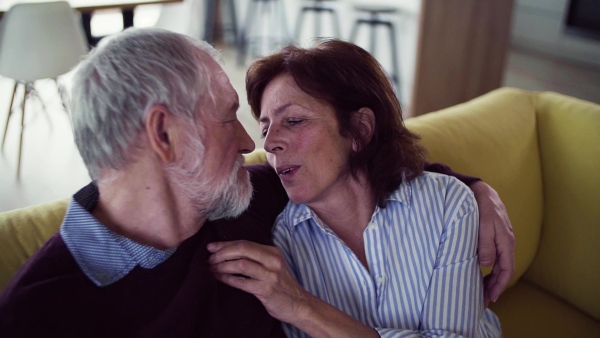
<point>454,196</point>
<point>441,183</point>
<point>40,286</point>
<point>50,262</point>
<point>433,191</point>
<point>263,175</point>
<point>268,199</point>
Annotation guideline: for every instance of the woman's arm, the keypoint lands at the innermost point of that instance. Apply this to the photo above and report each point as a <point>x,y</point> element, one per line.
<point>454,288</point>
<point>496,237</point>
<point>454,298</point>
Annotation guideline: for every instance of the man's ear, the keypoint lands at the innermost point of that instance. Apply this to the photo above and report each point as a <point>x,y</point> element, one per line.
<point>364,120</point>
<point>161,130</point>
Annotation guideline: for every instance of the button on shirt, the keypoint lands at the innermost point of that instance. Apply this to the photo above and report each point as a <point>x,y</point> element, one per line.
<point>104,256</point>
<point>422,275</point>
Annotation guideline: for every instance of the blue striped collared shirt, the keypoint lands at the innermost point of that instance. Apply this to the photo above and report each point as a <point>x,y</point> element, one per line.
<point>423,277</point>
<point>104,256</point>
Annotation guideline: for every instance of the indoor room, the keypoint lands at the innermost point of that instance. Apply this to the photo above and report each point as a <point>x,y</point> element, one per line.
<point>525,61</point>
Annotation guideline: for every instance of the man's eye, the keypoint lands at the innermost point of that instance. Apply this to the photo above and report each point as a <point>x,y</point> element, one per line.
<point>263,133</point>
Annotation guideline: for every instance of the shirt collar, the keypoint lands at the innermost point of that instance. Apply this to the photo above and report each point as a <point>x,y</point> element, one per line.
<point>403,193</point>
<point>294,214</point>
<point>104,256</point>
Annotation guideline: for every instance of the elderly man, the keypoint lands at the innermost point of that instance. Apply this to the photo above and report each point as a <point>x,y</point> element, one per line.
<point>154,118</point>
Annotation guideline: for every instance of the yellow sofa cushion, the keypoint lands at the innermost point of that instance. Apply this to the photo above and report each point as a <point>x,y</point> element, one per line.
<point>568,261</point>
<point>24,231</point>
<point>494,137</point>
<point>526,311</point>
<point>258,156</point>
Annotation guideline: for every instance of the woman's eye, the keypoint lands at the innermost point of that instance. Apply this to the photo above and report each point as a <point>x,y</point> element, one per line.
<point>263,132</point>
<point>294,121</point>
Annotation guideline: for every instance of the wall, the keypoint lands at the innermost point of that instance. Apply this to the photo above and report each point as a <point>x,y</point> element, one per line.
<point>461,51</point>
<point>539,25</point>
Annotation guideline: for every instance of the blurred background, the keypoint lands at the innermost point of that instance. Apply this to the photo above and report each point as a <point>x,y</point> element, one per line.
<point>437,53</point>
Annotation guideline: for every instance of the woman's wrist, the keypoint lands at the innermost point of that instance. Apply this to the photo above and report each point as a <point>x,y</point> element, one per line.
<point>318,318</point>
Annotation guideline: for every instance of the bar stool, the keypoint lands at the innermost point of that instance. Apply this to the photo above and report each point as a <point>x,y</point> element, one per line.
<point>213,8</point>
<point>266,39</point>
<point>373,21</point>
<point>318,7</point>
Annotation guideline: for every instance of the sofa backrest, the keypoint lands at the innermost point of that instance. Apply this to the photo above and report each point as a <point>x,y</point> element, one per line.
<point>568,261</point>
<point>494,137</point>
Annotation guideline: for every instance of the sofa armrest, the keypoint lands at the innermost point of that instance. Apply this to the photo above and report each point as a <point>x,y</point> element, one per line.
<point>494,137</point>
<point>568,260</point>
<point>24,231</point>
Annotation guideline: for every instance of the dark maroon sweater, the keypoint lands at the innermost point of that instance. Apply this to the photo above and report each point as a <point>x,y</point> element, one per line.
<point>51,297</point>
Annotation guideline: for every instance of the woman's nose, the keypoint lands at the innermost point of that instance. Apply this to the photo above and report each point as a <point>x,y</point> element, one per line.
<point>273,141</point>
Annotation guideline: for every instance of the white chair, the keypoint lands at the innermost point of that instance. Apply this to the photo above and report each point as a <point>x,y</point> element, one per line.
<point>195,18</point>
<point>183,17</point>
<point>38,41</point>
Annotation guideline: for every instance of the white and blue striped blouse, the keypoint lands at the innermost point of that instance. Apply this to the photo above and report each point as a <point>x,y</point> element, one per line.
<point>423,277</point>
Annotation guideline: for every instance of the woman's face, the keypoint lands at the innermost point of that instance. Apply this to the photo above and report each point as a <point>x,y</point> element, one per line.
<point>303,142</point>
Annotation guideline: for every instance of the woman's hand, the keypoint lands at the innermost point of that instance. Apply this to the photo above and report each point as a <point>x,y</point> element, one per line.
<point>496,240</point>
<point>262,271</point>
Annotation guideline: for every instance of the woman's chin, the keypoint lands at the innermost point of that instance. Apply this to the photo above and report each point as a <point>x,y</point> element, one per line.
<point>296,197</point>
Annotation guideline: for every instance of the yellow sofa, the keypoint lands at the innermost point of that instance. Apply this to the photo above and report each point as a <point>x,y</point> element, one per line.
<point>540,151</point>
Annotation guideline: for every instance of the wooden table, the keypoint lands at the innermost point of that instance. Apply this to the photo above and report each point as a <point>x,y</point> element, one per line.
<point>87,7</point>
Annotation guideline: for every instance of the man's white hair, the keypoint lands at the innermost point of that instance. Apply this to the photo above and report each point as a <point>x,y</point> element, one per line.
<point>118,82</point>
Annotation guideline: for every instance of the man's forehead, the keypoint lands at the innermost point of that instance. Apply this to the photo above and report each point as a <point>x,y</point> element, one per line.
<point>210,62</point>
<point>222,88</point>
<point>217,74</point>
<point>223,93</point>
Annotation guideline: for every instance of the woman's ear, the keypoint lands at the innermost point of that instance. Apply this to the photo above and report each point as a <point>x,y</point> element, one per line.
<point>364,120</point>
<point>161,130</point>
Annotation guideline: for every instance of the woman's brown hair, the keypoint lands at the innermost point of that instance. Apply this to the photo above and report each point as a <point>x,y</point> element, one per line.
<point>349,78</point>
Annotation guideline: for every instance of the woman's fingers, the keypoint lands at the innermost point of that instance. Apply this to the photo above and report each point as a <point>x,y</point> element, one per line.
<point>260,270</point>
<point>265,255</point>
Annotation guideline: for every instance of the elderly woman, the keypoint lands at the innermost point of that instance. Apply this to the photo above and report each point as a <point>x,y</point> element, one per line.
<point>377,245</point>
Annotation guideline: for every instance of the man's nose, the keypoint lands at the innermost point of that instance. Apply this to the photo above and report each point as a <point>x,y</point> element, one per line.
<point>246,143</point>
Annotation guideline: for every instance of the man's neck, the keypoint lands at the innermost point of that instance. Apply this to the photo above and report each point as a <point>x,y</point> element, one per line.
<point>146,209</point>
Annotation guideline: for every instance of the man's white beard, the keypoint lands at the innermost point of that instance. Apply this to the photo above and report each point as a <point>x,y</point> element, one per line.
<point>226,198</point>
<point>232,197</point>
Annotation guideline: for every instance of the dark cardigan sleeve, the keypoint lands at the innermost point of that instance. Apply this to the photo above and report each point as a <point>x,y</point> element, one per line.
<point>441,168</point>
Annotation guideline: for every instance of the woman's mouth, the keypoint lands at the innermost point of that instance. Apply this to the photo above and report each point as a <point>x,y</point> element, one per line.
<point>287,170</point>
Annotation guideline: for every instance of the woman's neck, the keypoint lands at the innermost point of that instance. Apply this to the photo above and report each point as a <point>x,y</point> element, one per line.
<point>348,213</point>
